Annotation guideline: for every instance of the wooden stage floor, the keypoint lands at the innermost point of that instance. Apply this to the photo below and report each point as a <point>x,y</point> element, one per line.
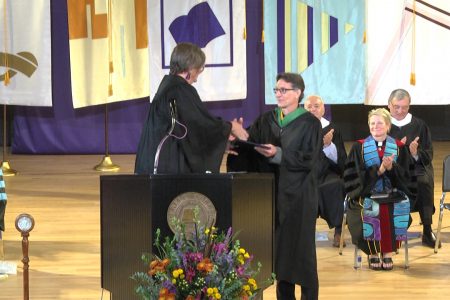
<point>62,193</point>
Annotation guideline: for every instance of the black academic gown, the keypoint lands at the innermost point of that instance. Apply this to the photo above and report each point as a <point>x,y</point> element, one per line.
<point>331,185</point>
<point>424,166</point>
<point>206,137</point>
<point>359,181</point>
<point>297,196</point>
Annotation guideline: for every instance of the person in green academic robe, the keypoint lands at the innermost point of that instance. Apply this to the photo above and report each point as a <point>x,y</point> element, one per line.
<point>292,146</point>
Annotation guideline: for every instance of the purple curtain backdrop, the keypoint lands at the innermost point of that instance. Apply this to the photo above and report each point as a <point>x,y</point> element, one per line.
<point>63,130</point>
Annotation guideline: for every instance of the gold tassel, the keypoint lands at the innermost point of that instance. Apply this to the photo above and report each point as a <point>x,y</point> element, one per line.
<point>6,81</point>
<point>412,79</point>
<point>244,34</point>
<point>110,49</point>
<point>263,37</point>
<point>6,63</point>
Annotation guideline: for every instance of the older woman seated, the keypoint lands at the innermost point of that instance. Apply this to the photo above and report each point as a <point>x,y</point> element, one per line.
<point>380,184</point>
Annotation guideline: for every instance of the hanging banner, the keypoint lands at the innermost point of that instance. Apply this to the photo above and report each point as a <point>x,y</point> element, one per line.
<point>108,68</point>
<point>216,26</point>
<point>25,53</point>
<point>401,43</point>
<point>321,40</point>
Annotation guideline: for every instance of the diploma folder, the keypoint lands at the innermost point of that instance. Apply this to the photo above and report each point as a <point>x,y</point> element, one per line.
<point>250,144</point>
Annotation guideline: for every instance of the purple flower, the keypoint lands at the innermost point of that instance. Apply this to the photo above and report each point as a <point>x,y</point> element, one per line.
<point>240,270</point>
<point>169,286</point>
<point>219,248</point>
<point>190,274</point>
<point>228,236</point>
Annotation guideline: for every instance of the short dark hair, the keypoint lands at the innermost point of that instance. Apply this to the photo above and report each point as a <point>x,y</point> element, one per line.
<point>295,79</point>
<point>399,94</point>
<point>186,56</point>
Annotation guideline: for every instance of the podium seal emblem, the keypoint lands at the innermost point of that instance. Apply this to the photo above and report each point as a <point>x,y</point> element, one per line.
<point>183,206</point>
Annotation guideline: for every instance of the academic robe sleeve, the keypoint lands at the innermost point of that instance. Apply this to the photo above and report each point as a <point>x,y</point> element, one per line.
<point>425,149</point>
<point>337,140</point>
<point>358,179</point>
<point>207,136</point>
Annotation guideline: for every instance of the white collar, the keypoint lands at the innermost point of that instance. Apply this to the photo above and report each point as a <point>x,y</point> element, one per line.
<point>324,122</point>
<point>406,120</point>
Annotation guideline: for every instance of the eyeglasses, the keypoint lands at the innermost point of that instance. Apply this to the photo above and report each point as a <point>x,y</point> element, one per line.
<point>282,90</point>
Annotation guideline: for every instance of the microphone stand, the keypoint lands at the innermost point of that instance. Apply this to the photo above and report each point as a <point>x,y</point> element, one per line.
<point>106,165</point>
<point>173,114</point>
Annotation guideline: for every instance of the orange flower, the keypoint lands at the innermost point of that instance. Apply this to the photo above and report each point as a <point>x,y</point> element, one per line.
<point>190,297</point>
<point>165,295</point>
<point>205,265</point>
<point>158,266</point>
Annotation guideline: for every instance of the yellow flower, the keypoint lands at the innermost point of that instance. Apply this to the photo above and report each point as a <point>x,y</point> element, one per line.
<point>246,255</point>
<point>210,291</point>
<point>217,296</point>
<point>252,282</point>
<point>174,281</point>
<point>178,273</point>
<point>242,250</point>
<point>246,287</point>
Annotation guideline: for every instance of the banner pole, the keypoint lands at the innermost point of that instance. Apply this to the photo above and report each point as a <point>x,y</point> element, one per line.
<point>106,165</point>
<point>6,168</point>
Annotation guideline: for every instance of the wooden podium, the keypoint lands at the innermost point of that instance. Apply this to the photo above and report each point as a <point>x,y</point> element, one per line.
<point>132,207</point>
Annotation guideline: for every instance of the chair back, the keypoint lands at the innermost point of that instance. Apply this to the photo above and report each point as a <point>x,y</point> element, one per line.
<point>446,175</point>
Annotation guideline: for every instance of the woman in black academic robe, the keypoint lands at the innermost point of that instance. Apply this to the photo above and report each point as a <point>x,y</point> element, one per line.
<point>380,183</point>
<point>188,138</point>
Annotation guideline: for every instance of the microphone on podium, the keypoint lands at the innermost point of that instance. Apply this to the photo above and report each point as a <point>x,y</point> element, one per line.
<point>173,122</point>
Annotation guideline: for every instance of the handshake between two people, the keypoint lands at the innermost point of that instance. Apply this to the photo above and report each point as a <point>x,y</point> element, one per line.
<point>237,130</point>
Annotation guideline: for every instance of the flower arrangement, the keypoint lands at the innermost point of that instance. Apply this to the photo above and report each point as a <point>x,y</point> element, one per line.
<point>206,265</point>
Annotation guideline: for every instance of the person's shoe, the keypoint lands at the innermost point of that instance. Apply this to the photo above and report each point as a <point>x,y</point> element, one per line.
<point>388,263</point>
<point>337,240</point>
<point>374,263</point>
<point>429,239</point>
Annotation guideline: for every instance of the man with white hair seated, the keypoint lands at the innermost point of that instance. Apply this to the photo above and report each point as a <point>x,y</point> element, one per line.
<point>331,186</point>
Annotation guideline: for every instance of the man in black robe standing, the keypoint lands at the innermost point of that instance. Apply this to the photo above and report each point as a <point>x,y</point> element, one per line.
<point>416,135</point>
<point>292,144</point>
<point>180,135</point>
<point>331,185</point>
